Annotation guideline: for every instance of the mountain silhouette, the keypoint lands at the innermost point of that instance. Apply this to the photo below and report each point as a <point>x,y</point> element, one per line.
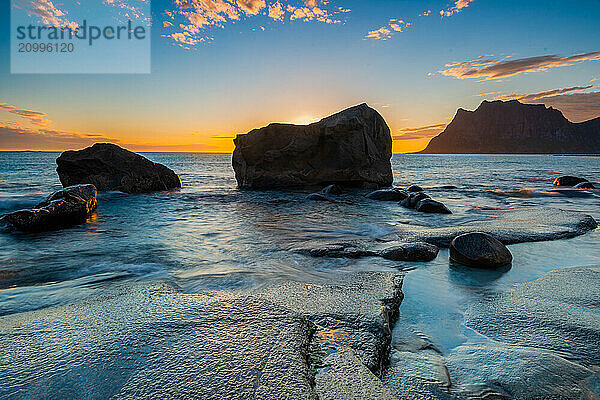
<point>511,127</point>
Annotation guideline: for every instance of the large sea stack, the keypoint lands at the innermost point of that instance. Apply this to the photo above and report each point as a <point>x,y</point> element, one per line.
<point>110,167</point>
<point>511,127</point>
<point>350,148</point>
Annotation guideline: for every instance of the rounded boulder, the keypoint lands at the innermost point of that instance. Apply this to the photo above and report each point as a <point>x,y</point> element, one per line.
<point>479,250</point>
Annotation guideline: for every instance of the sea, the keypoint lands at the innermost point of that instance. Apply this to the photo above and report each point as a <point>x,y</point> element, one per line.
<point>210,235</point>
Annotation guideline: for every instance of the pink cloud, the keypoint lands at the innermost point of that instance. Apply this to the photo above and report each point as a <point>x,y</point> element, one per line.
<point>34,117</point>
<point>497,68</point>
<point>192,20</point>
<point>387,31</point>
<point>458,6</point>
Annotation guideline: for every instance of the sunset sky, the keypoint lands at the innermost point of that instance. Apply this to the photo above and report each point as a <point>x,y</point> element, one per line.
<point>224,67</point>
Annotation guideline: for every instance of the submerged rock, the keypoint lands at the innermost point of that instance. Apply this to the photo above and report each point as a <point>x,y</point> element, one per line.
<point>414,188</point>
<point>479,250</point>
<point>350,148</point>
<point>335,250</point>
<point>431,206</point>
<point>417,251</point>
<point>388,195</point>
<point>110,167</point>
<point>569,181</point>
<point>320,197</point>
<point>585,185</point>
<point>414,198</point>
<point>66,207</point>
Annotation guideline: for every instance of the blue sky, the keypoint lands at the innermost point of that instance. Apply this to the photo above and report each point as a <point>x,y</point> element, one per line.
<point>258,69</point>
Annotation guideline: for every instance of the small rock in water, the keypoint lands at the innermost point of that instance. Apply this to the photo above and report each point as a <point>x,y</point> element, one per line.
<point>332,190</point>
<point>413,199</point>
<point>479,250</point>
<point>569,181</point>
<point>414,188</point>
<point>417,251</point>
<point>66,207</point>
<point>388,195</point>
<point>585,185</point>
<point>335,250</point>
<point>432,207</point>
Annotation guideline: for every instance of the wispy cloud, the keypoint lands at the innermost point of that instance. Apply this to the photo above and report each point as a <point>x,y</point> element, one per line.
<point>385,32</point>
<point>35,117</point>
<point>14,136</point>
<point>192,21</point>
<point>423,132</point>
<point>458,6</point>
<point>47,12</point>
<point>129,9</point>
<point>487,68</point>
<point>535,96</point>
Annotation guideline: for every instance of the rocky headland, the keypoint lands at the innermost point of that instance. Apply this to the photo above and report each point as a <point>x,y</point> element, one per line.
<point>510,127</point>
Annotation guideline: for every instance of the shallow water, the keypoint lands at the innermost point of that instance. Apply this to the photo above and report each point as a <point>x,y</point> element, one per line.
<point>209,235</point>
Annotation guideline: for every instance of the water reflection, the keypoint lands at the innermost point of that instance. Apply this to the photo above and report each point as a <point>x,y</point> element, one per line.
<point>461,275</point>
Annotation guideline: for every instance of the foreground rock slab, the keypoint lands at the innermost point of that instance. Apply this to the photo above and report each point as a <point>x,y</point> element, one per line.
<point>534,225</point>
<point>546,330</point>
<point>110,167</point>
<point>479,250</point>
<point>350,148</point>
<point>152,341</point>
<point>70,206</point>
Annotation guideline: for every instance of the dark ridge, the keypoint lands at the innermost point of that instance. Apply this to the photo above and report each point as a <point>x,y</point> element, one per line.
<point>510,127</point>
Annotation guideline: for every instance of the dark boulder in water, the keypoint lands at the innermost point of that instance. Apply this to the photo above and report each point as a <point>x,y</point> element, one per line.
<point>110,167</point>
<point>417,251</point>
<point>414,188</point>
<point>66,207</point>
<point>479,250</point>
<point>350,148</point>
<point>585,185</point>
<point>569,181</point>
<point>388,195</point>
<point>431,206</point>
